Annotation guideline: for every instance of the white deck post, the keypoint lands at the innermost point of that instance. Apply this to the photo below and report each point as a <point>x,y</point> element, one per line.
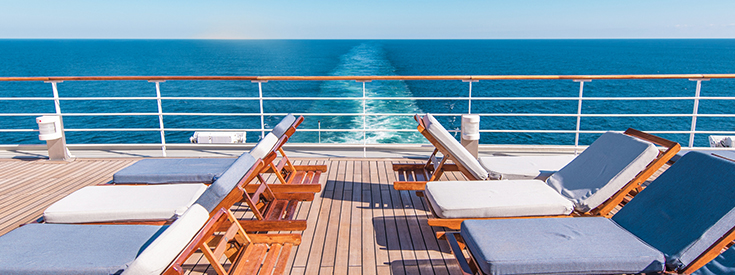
<point>579,112</point>
<point>260,98</point>
<point>364,118</point>
<point>57,149</point>
<point>695,112</point>
<point>160,115</point>
<point>469,101</point>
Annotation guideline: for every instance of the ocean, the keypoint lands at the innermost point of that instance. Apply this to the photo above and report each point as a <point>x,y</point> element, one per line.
<point>358,57</point>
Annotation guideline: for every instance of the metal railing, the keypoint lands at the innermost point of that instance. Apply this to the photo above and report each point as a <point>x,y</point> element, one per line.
<point>260,80</point>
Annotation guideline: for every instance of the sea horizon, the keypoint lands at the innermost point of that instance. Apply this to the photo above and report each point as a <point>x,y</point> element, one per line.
<point>365,57</point>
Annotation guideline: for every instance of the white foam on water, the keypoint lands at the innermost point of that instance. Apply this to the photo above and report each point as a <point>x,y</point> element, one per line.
<point>367,59</point>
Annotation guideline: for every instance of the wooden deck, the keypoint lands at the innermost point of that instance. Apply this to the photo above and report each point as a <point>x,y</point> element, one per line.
<point>357,225</point>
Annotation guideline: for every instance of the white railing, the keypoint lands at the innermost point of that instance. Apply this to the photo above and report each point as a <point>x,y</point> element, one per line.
<point>580,99</point>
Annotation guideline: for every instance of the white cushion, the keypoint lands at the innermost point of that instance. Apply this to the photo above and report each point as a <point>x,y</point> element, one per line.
<point>162,251</point>
<point>602,169</point>
<point>524,167</point>
<point>124,202</point>
<point>485,199</point>
<point>455,148</point>
<point>264,146</point>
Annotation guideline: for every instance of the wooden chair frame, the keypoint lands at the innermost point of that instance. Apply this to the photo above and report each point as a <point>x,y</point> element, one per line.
<point>629,190</point>
<point>433,169</point>
<point>273,210</point>
<point>247,253</point>
<point>291,178</point>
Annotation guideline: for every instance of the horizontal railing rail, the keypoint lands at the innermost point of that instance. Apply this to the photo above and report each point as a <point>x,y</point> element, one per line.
<point>370,78</point>
<point>470,99</point>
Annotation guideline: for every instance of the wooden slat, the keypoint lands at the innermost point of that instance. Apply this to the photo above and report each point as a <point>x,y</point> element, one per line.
<point>354,254</point>
<point>341,262</point>
<point>333,222</point>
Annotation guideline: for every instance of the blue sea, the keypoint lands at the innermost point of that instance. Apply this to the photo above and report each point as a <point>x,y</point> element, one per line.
<point>358,57</point>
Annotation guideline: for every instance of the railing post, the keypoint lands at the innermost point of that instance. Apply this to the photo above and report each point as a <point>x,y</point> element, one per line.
<point>469,102</point>
<point>695,112</point>
<point>161,128</point>
<point>579,112</point>
<point>57,147</point>
<point>364,118</point>
<point>260,98</point>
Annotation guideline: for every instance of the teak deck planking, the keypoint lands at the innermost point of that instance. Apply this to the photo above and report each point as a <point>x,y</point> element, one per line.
<point>357,224</point>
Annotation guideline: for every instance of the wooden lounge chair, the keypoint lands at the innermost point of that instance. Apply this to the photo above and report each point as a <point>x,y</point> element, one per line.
<point>295,178</point>
<point>457,158</point>
<point>145,204</point>
<point>612,169</point>
<point>680,222</point>
<point>143,249</point>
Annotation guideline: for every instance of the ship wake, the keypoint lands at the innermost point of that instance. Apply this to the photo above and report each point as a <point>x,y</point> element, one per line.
<point>367,59</point>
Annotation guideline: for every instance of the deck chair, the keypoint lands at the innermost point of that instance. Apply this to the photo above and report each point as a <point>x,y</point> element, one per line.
<point>457,158</point>
<point>297,178</point>
<point>680,222</point>
<point>157,204</point>
<point>611,169</point>
<point>415,176</point>
<point>142,249</point>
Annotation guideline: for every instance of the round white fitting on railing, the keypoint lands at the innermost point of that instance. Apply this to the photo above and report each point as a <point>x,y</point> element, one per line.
<point>49,127</point>
<point>470,127</point>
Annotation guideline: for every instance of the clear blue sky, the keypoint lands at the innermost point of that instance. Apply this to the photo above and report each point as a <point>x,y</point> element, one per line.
<point>370,19</point>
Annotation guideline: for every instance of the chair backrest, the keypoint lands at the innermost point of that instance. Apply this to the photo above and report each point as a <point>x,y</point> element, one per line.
<point>687,213</point>
<point>454,149</point>
<point>157,256</point>
<point>264,146</point>
<point>224,185</point>
<point>270,142</point>
<point>282,127</point>
<point>602,169</point>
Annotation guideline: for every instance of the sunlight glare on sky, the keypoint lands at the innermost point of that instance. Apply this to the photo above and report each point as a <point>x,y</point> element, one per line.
<point>374,19</point>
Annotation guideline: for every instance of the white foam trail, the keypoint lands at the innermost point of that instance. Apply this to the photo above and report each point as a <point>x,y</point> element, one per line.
<point>367,59</point>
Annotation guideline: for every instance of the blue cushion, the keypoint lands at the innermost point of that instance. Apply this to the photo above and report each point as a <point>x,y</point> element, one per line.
<point>283,126</point>
<point>686,209</point>
<point>153,171</point>
<point>729,154</point>
<point>558,246</point>
<point>601,170</point>
<point>216,192</point>
<point>73,249</point>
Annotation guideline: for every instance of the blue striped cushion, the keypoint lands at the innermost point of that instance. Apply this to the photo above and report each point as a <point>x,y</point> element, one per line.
<point>558,246</point>
<point>73,249</point>
<point>154,171</point>
<point>686,209</point>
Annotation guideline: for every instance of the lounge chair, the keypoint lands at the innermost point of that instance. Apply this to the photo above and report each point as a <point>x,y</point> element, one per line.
<point>142,249</point>
<point>139,203</point>
<point>297,178</point>
<point>159,204</point>
<point>415,176</point>
<point>594,183</point>
<point>681,221</point>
